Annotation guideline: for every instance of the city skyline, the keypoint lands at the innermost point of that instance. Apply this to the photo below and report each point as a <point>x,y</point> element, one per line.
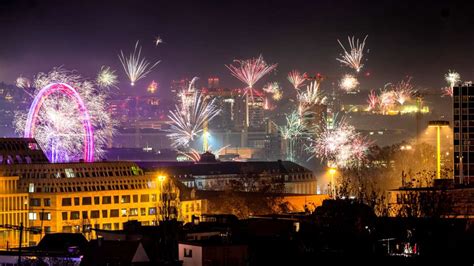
<point>415,39</point>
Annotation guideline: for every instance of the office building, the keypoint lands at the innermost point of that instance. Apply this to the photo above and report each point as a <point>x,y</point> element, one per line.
<point>463,111</point>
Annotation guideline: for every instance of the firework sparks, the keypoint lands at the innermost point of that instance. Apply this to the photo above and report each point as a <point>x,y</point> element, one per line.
<point>373,101</point>
<point>452,78</point>
<point>23,83</point>
<point>274,89</point>
<point>293,127</point>
<point>296,79</point>
<point>339,144</point>
<point>152,87</point>
<point>309,97</point>
<point>447,91</point>
<point>188,119</point>
<point>250,71</point>
<point>403,91</point>
<point>353,58</point>
<point>278,95</point>
<point>291,131</point>
<point>135,66</point>
<point>271,87</point>
<point>348,83</point>
<point>106,78</point>
<point>387,98</point>
<point>158,40</point>
<point>59,129</point>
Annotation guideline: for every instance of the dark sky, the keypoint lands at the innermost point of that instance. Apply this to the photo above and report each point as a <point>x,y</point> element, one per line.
<point>422,39</point>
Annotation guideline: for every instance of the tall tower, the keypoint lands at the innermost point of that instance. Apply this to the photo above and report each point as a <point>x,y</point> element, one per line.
<point>463,105</point>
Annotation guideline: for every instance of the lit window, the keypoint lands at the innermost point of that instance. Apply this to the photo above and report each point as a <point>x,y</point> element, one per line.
<point>124,212</point>
<point>133,212</point>
<point>32,216</point>
<point>31,188</point>
<point>69,172</point>
<point>188,253</point>
<point>45,216</point>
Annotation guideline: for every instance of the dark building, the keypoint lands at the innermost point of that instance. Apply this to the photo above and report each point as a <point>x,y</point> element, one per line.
<point>20,150</point>
<point>463,100</point>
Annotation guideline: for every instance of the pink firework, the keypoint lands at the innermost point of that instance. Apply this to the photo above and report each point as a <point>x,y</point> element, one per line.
<point>250,71</point>
<point>373,100</point>
<point>387,99</point>
<point>339,144</point>
<point>403,91</point>
<point>447,91</point>
<point>296,78</point>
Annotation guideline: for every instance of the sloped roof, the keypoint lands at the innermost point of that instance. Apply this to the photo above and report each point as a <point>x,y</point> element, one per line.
<point>61,242</point>
<point>180,169</point>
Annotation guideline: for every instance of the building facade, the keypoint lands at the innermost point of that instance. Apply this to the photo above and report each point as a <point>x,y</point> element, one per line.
<point>221,175</point>
<point>463,111</point>
<point>75,197</point>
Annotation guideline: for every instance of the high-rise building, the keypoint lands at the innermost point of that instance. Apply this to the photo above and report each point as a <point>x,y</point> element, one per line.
<point>213,82</point>
<point>463,106</point>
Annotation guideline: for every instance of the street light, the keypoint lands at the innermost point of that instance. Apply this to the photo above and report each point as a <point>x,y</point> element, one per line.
<point>161,179</point>
<point>332,172</point>
<point>438,124</point>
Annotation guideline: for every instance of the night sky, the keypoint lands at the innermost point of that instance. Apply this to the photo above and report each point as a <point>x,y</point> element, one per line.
<point>422,39</point>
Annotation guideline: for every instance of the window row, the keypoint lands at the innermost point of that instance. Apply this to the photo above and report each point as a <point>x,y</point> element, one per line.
<point>113,213</point>
<point>108,199</point>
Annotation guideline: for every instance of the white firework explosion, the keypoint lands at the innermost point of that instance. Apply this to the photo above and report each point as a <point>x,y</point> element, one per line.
<point>135,66</point>
<point>106,78</point>
<point>310,97</point>
<point>452,78</point>
<point>339,144</point>
<point>348,83</point>
<point>353,59</point>
<point>59,129</point>
<point>189,117</point>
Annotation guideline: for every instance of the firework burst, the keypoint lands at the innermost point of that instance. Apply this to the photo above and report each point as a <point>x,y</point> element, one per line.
<point>339,144</point>
<point>135,66</point>
<point>296,79</point>
<point>23,83</point>
<point>293,128</point>
<point>152,87</point>
<point>291,131</point>
<point>387,98</point>
<point>310,97</point>
<point>274,89</point>
<point>373,101</point>
<point>447,91</point>
<point>348,83</point>
<point>452,78</point>
<point>250,71</point>
<point>158,40</point>
<point>353,59</point>
<point>403,91</point>
<point>188,119</point>
<point>106,78</point>
<point>59,129</point>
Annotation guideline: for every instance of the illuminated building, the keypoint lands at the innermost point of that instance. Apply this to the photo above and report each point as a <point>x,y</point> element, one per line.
<point>256,113</point>
<point>13,212</point>
<point>217,176</point>
<point>463,102</point>
<point>213,82</point>
<point>77,197</point>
